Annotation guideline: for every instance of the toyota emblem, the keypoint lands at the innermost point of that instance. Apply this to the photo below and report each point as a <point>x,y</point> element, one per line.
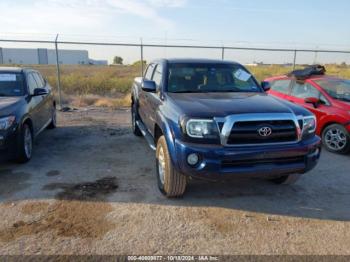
<point>265,131</point>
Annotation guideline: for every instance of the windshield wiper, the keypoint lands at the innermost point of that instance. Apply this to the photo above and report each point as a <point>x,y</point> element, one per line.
<point>187,91</point>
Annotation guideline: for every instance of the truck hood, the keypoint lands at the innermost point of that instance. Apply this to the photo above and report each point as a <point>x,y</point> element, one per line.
<point>224,104</point>
<point>8,105</point>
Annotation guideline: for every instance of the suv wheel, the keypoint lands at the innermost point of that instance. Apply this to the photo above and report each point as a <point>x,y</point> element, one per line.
<point>25,147</point>
<point>134,117</point>
<point>286,180</point>
<point>336,139</point>
<point>170,182</point>
<point>53,123</point>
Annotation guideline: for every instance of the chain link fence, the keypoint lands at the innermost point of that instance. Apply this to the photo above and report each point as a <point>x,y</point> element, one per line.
<point>88,84</point>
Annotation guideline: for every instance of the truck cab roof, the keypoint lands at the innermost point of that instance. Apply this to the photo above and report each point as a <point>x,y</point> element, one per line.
<point>11,69</point>
<point>195,61</point>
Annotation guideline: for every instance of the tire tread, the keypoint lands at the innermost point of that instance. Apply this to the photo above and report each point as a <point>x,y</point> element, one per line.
<point>174,182</point>
<point>21,155</point>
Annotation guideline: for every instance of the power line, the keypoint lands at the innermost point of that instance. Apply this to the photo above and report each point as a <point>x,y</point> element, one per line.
<point>176,46</point>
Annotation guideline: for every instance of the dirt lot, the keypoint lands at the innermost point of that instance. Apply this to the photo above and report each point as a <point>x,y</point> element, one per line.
<point>91,189</point>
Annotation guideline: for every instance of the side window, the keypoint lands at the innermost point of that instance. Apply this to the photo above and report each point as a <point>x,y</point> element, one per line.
<point>42,79</point>
<point>324,100</point>
<point>31,83</point>
<point>157,76</point>
<point>39,80</point>
<point>149,72</point>
<point>304,90</point>
<point>281,86</point>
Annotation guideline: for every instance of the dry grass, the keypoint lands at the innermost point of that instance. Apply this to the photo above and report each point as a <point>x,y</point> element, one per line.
<point>102,86</point>
<point>263,72</point>
<point>97,100</point>
<point>108,81</point>
<point>109,86</point>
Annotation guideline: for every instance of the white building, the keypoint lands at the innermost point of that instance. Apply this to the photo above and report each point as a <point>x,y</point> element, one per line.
<point>43,56</point>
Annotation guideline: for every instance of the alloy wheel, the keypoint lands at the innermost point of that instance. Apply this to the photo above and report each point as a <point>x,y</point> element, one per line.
<point>335,139</point>
<point>161,165</point>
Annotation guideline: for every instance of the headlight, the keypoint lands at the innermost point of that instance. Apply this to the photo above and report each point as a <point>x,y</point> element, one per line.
<point>202,128</point>
<point>6,122</point>
<point>310,124</point>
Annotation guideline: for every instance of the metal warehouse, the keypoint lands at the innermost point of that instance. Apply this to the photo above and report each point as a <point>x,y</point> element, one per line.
<point>43,56</point>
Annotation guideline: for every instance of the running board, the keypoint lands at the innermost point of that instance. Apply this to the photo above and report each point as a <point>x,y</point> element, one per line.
<point>146,134</point>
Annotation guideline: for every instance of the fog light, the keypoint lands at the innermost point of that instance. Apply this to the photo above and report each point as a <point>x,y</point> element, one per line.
<point>192,159</point>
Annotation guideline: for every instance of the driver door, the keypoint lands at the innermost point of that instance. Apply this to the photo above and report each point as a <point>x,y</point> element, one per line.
<point>144,102</point>
<point>46,104</point>
<point>35,105</point>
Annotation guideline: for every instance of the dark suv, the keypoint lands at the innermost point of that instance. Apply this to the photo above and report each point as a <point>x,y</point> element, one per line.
<point>27,107</point>
<point>212,120</point>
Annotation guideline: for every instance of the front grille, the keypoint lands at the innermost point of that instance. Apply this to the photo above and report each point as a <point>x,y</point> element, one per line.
<point>255,162</point>
<point>248,132</point>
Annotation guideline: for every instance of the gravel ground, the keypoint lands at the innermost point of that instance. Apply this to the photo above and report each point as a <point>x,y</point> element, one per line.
<point>91,189</point>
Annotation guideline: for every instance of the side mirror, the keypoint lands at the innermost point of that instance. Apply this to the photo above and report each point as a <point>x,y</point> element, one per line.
<point>266,86</point>
<point>313,100</point>
<point>149,86</point>
<point>40,92</point>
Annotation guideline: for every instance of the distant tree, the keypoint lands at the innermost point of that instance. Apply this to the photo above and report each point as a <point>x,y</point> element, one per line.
<point>343,65</point>
<point>117,60</point>
<point>138,63</point>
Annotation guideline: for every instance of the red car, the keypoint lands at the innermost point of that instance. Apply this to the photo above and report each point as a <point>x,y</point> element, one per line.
<point>325,96</point>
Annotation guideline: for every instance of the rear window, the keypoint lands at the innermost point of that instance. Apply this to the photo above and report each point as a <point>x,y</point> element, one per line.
<point>281,86</point>
<point>11,84</point>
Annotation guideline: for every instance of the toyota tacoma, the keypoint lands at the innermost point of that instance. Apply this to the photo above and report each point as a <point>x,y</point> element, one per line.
<point>211,120</point>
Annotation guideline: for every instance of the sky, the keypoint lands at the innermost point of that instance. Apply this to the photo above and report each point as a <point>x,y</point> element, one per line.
<point>311,24</point>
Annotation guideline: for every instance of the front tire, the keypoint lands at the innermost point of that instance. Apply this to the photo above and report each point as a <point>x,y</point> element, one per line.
<point>286,180</point>
<point>134,117</point>
<point>170,182</point>
<point>25,146</point>
<point>336,139</point>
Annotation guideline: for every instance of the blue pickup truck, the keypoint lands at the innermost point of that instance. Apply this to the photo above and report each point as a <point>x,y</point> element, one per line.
<point>212,120</point>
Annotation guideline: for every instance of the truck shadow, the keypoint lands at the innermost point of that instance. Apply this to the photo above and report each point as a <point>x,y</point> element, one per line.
<point>300,200</point>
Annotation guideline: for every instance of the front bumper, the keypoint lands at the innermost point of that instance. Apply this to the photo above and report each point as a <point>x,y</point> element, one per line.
<point>8,143</point>
<point>218,162</point>
<point>347,126</point>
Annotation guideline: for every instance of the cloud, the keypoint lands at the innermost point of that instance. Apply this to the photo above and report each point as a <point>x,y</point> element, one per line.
<point>81,16</point>
<point>139,9</point>
<point>168,3</point>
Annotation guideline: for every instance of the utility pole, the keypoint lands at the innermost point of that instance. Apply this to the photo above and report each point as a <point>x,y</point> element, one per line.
<point>58,74</point>
<point>141,46</point>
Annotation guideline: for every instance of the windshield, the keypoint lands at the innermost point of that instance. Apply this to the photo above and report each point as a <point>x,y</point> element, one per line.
<point>203,78</point>
<point>336,88</point>
<point>11,84</point>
